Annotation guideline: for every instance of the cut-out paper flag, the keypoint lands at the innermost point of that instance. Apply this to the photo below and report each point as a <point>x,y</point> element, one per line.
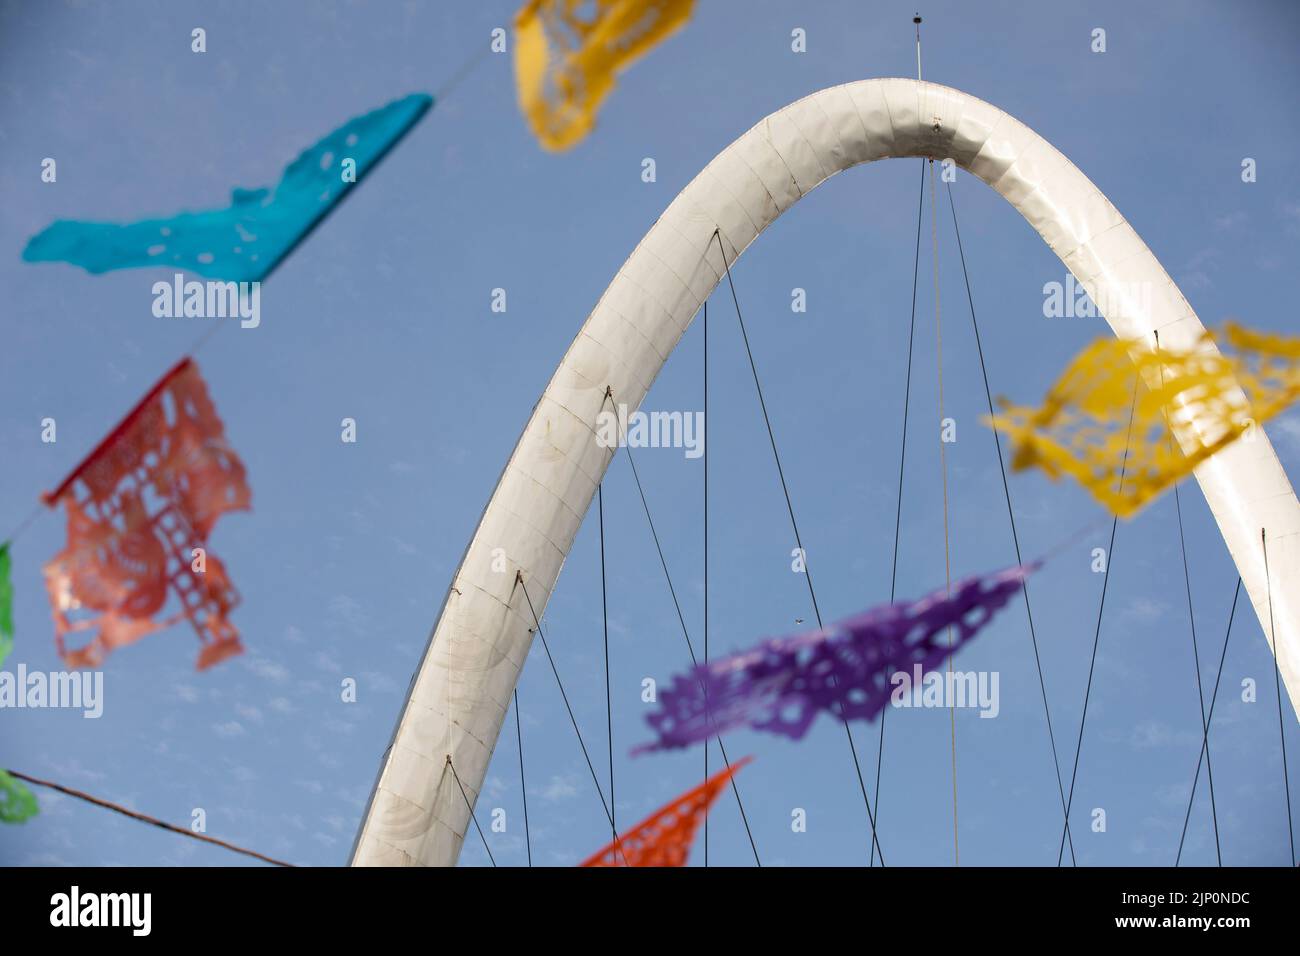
<point>17,803</point>
<point>1206,399</point>
<point>248,239</point>
<point>665,837</point>
<point>844,670</point>
<point>567,53</point>
<point>140,510</point>
<point>6,604</point>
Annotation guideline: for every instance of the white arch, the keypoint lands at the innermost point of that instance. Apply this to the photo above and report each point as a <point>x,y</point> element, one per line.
<point>460,694</point>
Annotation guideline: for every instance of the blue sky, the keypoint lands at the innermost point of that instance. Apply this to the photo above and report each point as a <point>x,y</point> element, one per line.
<point>383,316</point>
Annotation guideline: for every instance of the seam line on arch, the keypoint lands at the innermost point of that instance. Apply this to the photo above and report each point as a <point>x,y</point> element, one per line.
<point>767,138</point>
<point>759,141</point>
<point>734,151</point>
<point>830,125</point>
<point>691,297</point>
<point>722,183</point>
<point>843,90</point>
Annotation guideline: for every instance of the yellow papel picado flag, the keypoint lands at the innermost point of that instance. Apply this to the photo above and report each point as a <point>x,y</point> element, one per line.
<point>1200,398</point>
<point>567,53</point>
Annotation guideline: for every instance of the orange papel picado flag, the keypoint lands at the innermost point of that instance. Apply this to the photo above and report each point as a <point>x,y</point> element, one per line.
<point>1202,398</point>
<point>664,838</point>
<point>140,509</point>
<point>567,53</point>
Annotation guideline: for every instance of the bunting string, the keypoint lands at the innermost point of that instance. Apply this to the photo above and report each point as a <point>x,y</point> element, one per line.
<point>143,817</point>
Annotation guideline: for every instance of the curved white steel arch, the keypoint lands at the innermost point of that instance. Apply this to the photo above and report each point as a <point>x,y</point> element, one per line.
<point>459,697</point>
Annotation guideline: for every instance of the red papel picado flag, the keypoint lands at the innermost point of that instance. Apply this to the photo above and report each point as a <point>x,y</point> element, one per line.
<point>664,839</point>
<point>140,509</point>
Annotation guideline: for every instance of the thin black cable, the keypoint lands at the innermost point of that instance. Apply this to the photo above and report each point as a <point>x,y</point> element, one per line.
<point>1205,739</point>
<point>857,766</point>
<point>672,591</point>
<point>1015,537</point>
<point>523,787</point>
<point>469,806</point>
<point>902,459</point>
<point>590,766</point>
<point>1277,683</point>
<point>604,615</point>
<point>1096,637</point>
<point>689,646</point>
<point>943,475</point>
<point>1196,653</point>
<point>1200,690</point>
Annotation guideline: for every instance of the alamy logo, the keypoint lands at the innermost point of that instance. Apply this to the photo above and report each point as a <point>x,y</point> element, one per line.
<point>82,690</point>
<point>209,300</point>
<point>946,689</point>
<point>1069,300</point>
<point>103,909</point>
<point>651,430</point>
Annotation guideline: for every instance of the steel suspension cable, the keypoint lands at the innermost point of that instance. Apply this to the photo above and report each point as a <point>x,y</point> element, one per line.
<point>853,750</point>
<point>706,588</point>
<point>1277,683</point>
<point>902,459</point>
<point>1205,739</point>
<point>1200,690</point>
<point>523,787</point>
<point>572,719</point>
<point>1196,652</point>
<point>943,470</point>
<point>604,616</point>
<point>690,647</point>
<point>469,806</point>
<point>1096,638</point>
<point>1011,517</point>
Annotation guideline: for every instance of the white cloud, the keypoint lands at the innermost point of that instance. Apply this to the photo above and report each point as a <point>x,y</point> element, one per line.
<point>267,669</point>
<point>1144,609</point>
<point>348,610</point>
<point>559,788</point>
